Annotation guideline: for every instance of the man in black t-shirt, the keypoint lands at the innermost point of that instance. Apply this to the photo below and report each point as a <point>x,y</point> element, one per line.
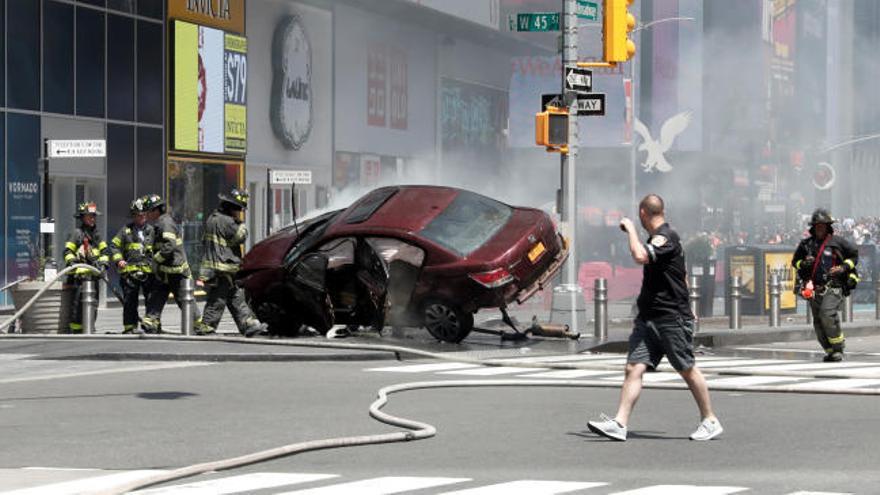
<point>664,325</point>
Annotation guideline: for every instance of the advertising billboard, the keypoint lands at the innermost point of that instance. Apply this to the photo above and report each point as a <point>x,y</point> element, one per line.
<point>210,87</point>
<point>780,263</point>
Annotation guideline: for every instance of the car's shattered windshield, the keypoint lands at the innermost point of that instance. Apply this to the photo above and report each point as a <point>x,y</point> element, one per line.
<point>467,223</point>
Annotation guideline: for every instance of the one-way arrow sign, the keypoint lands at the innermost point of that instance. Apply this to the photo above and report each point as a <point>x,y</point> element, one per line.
<point>591,104</point>
<point>580,80</point>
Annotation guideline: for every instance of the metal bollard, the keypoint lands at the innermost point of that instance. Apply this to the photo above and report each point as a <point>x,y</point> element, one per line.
<point>694,298</point>
<point>187,288</point>
<point>848,309</point>
<point>600,309</point>
<point>735,296</point>
<point>89,305</point>
<point>877,299</point>
<point>775,289</point>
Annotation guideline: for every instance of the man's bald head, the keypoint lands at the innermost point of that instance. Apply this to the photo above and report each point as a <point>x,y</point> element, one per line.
<point>652,205</point>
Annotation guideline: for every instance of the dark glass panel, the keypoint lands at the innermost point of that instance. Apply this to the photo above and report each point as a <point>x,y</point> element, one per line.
<point>23,35</point>
<point>150,161</point>
<point>57,57</point>
<point>89,62</point>
<point>120,68</point>
<point>120,174</point>
<point>151,8</point>
<point>149,72</point>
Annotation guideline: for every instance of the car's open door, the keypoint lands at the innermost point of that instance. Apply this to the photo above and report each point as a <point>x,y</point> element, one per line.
<point>372,277</point>
<point>307,282</point>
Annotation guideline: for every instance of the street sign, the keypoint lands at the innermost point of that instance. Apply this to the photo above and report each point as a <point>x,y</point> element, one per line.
<point>77,148</point>
<point>591,104</point>
<point>556,101</point>
<point>587,10</point>
<point>580,80</point>
<point>287,177</point>
<point>534,22</point>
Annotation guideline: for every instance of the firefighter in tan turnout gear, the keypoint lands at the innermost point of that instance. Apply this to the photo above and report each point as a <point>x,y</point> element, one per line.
<point>170,267</point>
<point>132,249</point>
<point>223,244</point>
<point>84,246</point>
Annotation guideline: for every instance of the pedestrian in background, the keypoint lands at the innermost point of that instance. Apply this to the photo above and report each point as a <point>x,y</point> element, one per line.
<point>170,265</point>
<point>132,251</point>
<point>223,244</point>
<point>826,268</point>
<point>664,325</point>
<point>83,246</point>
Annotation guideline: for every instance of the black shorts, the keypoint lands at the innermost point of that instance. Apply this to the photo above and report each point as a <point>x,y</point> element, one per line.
<point>671,336</point>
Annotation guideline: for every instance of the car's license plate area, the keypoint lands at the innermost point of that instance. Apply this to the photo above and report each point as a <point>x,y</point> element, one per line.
<point>536,252</point>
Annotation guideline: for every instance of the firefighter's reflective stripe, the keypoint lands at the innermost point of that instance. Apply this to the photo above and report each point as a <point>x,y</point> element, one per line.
<point>855,277</point>
<point>103,259</point>
<point>134,246</point>
<point>69,258</point>
<point>169,235</point>
<point>83,272</point>
<point>71,246</point>
<point>128,327</point>
<point>117,242</point>
<point>836,340</point>
<point>850,263</point>
<point>215,239</point>
<point>174,269</point>
<point>137,268</point>
<point>158,257</point>
<point>179,241</point>
<point>797,265</point>
<point>102,246</point>
<point>117,257</point>
<point>220,266</point>
<point>76,326</point>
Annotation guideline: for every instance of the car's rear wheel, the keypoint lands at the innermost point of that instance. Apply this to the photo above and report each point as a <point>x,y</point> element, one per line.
<point>446,322</point>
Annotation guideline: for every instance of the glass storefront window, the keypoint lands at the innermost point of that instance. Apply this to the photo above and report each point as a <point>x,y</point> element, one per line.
<point>120,67</point>
<point>120,173</point>
<point>23,36</point>
<point>99,3</point>
<point>57,57</point>
<point>193,186</point>
<point>149,79</point>
<point>150,161</point>
<point>89,62</point>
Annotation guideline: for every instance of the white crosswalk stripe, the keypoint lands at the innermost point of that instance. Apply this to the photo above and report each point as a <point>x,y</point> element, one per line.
<point>683,490</point>
<point>380,486</point>
<point>84,485</point>
<point>805,374</point>
<point>238,484</point>
<point>532,487</point>
<point>91,481</point>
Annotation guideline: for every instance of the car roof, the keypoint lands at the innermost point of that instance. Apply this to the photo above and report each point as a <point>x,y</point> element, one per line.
<point>408,209</point>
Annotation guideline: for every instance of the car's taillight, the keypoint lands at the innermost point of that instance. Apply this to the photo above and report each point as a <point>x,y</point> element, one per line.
<point>492,279</point>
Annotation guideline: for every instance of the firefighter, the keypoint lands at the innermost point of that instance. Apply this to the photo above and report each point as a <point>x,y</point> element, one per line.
<point>826,268</point>
<point>170,267</point>
<point>132,252</point>
<point>83,246</point>
<point>223,246</point>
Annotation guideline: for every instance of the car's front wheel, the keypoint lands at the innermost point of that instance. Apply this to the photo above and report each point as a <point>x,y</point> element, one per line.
<point>447,323</point>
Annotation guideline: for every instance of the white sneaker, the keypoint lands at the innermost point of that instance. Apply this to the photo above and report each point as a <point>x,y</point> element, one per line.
<point>708,429</point>
<point>608,428</point>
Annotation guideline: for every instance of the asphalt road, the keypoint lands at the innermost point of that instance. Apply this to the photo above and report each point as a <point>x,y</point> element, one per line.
<point>123,416</point>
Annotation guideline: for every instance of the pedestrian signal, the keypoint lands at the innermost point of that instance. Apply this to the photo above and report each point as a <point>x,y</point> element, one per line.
<point>551,129</point>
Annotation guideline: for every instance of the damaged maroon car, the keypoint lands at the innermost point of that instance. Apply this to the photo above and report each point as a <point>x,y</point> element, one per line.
<point>404,255</point>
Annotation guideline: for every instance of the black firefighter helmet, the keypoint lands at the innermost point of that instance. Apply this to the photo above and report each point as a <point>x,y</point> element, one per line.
<point>86,208</point>
<point>821,215</point>
<point>236,198</point>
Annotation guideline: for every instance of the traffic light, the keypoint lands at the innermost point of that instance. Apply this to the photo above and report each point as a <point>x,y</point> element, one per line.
<point>617,23</point>
<point>551,129</point>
